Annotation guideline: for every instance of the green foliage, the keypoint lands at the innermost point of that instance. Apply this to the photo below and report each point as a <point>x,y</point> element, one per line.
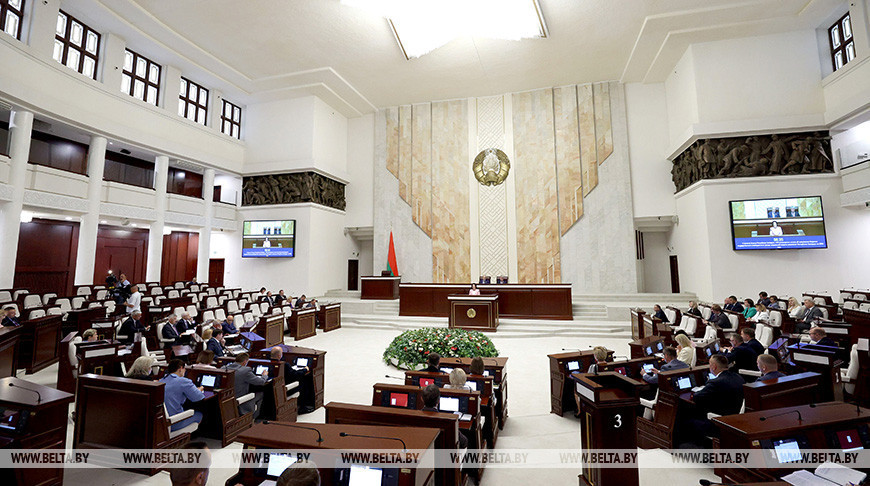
<point>412,348</point>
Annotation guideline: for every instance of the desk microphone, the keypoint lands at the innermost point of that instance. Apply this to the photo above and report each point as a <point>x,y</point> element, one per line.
<point>798,412</point>
<point>38,395</point>
<point>707,482</point>
<point>570,349</point>
<point>319,437</point>
<point>394,377</point>
<point>345,434</point>
<point>625,357</point>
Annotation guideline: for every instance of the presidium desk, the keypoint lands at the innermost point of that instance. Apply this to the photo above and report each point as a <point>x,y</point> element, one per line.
<point>475,312</point>
<point>517,301</point>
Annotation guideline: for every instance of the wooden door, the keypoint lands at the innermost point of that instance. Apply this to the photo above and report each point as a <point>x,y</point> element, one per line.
<point>216,272</point>
<point>675,275</point>
<point>353,275</point>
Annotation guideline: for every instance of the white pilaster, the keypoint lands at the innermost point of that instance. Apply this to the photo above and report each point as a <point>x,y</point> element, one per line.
<point>155,234</point>
<point>204,250</point>
<point>113,61</point>
<point>90,221</point>
<point>20,127</point>
<point>41,28</point>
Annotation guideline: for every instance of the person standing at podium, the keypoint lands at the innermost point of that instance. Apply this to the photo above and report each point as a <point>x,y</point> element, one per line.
<point>179,390</point>
<point>474,290</point>
<point>10,320</point>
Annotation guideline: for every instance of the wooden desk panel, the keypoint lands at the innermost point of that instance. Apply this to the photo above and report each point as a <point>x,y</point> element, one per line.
<point>380,288</point>
<point>302,323</point>
<point>9,339</point>
<point>534,301</point>
<point>40,343</point>
<point>475,312</point>
<point>329,317</point>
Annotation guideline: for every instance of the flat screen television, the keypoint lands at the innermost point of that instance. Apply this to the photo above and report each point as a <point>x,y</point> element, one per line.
<point>269,239</point>
<point>792,223</point>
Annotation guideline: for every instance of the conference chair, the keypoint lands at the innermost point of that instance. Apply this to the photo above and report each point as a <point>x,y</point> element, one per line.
<point>221,299</point>
<point>117,325</point>
<point>706,312</point>
<point>18,293</point>
<point>211,291</point>
<point>220,314</point>
<point>232,306</point>
<point>156,291</point>
<point>191,309</point>
<point>179,285</point>
<point>850,304</point>
<point>249,317</point>
<point>84,290</point>
<point>64,304</point>
<point>208,316</point>
<point>73,358</point>
<point>47,297</point>
<point>163,341</point>
<point>864,307</point>
<point>264,308</point>
<point>78,302</point>
<point>711,415</point>
<point>195,288</point>
<point>178,311</point>
<point>5,296</point>
<point>171,419</point>
<point>766,336</point>
<point>36,314</point>
<point>56,311</point>
<point>31,301</point>
<point>211,302</point>
<point>845,295</point>
<point>849,376</point>
<point>255,310</point>
<point>859,297</point>
<point>172,294</point>
<point>101,294</point>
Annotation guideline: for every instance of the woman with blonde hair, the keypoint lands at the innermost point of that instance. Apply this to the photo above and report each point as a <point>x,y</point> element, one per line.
<point>458,378</point>
<point>795,309</point>
<point>206,335</point>
<point>600,355</point>
<point>204,359</point>
<point>685,350</point>
<point>141,368</point>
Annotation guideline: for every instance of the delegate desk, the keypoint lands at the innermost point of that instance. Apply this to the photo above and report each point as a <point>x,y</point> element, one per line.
<point>288,436</point>
<point>221,419</point>
<point>314,359</point>
<point>276,405</point>
<point>786,391</point>
<point>398,419</point>
<point>40,343</point>
<point>494,367</point>
<point>271,327</point>
<point>9,339</point>
<point>833,425</point>
<point>822,360</point>
<point>301,323</point>
<point>99,358</point>
<point>33,418</point>
<point>82,319</point>
<point>380,288</point>
<point>637,329</point>
<point>474,312</point>
<point>562,365</point>
<point>674,399</point>
<point>533,301</point>
<point>329,316</point>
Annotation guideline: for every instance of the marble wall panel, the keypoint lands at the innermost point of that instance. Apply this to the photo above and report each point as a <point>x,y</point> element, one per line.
<point>603,126</point>
<point>392,139</point>
<point>492,201</point>
<point>451,246</point>
<point>588,150</point>
<point>421,166</point>
<point>568,168</point>
<point>405,150</point>
<point>536,194</point>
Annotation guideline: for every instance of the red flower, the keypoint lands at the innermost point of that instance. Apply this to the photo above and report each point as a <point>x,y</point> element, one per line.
<point>453,348</point>
<point>427,352</point>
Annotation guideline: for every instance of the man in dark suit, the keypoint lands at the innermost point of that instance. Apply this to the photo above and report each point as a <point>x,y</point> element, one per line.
<point>812,313</point>
<point>431,399</point>
<point>722,395</point>
<point>268,299</point>
<point>763,299</point>
<point>131,326</point>
<point>244,378</point>
<point>741,355</point>
<point>673,363</point>
<point>229,326</point>
<point>214,344</point>
<point>10,319</point>
<point>302,376</point>
<point>748,334</point>
<point>170,332</point>
<point>185,323</point>
<point>769,367</point>
<point>820,336</point>
<point>718,317</point>
<point>731,304</point>
<point>280,298</point>
<point>433,361</point>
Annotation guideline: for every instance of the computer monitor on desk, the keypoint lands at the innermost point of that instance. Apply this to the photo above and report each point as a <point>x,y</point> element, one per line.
<point>208,381</point>
<point>683,383</point>
<point>301,362</point>
<point>261,369</point>
<point>399,399</point>
<point>358,475</point>
<point>573,366</point>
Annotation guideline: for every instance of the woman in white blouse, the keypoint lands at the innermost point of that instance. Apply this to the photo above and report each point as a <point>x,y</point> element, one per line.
<point>761,314</point>
<point>684,348</point>
<point>795,310</point>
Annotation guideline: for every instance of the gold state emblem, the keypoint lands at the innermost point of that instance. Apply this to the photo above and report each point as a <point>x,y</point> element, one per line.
<point>491,167</point>
<point>471,313</point>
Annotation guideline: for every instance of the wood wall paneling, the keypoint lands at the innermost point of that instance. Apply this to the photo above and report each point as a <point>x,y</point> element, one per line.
<point>59,153</point>
<point>123,251</point>
<point>128,170</point>
<point>46,260</point>
<point>180,250</point>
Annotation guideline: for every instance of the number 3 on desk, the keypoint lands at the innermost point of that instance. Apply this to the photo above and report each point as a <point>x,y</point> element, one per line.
<point>617,421</point>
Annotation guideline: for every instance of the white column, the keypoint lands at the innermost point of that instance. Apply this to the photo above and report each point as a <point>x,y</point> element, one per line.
<point>87,251</point>
<point>155,235</point>
<point>20,126</point>
<point>204,249</point>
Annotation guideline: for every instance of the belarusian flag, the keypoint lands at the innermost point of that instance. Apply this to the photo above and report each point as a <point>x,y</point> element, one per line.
<point>391,258</point>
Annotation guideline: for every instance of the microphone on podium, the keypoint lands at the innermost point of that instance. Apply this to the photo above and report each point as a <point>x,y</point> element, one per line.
<point>319,437</point>
<point>394,377</point>
<point>798,412</point>
<point>345,434</point>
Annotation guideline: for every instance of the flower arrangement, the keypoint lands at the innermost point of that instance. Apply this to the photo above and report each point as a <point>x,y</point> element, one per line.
<point>412,348</point>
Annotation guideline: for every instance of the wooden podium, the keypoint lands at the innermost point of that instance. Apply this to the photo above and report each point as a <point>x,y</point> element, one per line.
<point>475,312</point>
<point>608,407</point>
<point>380,288</point>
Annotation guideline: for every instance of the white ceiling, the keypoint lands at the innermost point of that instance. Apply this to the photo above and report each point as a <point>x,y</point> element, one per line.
<point>258,50</point>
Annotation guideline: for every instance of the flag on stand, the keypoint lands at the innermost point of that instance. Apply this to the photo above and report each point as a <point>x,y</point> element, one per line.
<point>391,258</point>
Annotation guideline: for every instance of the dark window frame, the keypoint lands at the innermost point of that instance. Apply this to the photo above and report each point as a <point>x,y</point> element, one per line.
<point>146,79</point>
<point>68,44</point>
<point>842,49</point>
<point>6,9</point>
<point>235,127</point>
<point>190,101</point>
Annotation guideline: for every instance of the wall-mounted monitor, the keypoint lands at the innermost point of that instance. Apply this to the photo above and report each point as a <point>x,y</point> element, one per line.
<point>793,223</point>
<point>269,239</point>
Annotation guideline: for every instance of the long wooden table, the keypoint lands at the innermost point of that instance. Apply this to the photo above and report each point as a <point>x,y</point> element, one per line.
<point>518,301</point>
<point>380,288</point>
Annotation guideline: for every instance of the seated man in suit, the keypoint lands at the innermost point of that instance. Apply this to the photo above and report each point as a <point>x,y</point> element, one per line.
<point>302,303</point>
<point>672,363</point>
<point>431,399</point>
<point>185,323</point>
<point>718,317</point>
<point>280,298</point>
<point>229,326</point>
<point>769,367</point>
<point>763,299</point>
<point>89,336</point>
<point>170,331</point>
<point>741,355</point>
<point>244,378</point>
<point>302,376</point>
<point>748,334</point>
<point>179,390</point>
<point>731,304</point>
<point>820,336</point>
<point>722,395</point>
<point>433,361</point>
<point>215,342</point>
<point>131,326</point>
<point>812,313</point>
<point>268,299</point>
<point>10,319</point>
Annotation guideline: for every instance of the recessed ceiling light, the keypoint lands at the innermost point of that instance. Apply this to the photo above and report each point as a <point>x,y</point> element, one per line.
<point>68,218</point>
<point>424,25</point>
<point>103,221</point>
